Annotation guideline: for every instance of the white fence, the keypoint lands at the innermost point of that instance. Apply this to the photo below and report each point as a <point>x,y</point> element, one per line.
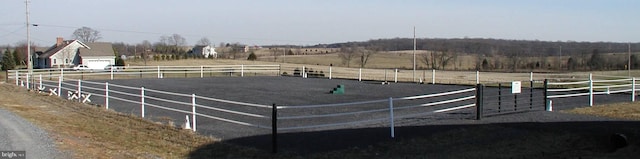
<point>387,75</point>
<point>291,118</point>
<point>590,88</point>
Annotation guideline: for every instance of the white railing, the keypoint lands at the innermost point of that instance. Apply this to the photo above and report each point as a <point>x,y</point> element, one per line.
<point>385,75</point>
<point>150,72</point>
<point>292,118</point>
<point>592,87</point>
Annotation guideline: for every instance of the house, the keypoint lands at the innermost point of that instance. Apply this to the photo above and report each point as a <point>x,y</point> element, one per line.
<point>98,55</point>
<point>205,50</point>
<point>69,53</point>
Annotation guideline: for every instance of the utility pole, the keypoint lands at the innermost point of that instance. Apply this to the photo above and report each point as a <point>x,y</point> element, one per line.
<point>629,65</point>
<point>414,54</point>
<point>29,61</point>
<point>560,59</point>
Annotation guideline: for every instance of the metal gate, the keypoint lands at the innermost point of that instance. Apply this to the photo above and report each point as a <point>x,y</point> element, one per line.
<point>512,97</point>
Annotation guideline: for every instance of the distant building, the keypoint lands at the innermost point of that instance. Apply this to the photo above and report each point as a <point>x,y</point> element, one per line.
<point>68,53</point>
<point>205,50</point>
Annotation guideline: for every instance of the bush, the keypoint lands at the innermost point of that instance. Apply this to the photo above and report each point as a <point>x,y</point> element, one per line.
<point>119,61</point>
<point>252,57</point>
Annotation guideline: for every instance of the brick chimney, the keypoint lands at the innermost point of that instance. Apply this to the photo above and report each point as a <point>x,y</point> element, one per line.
<point>59,41</point>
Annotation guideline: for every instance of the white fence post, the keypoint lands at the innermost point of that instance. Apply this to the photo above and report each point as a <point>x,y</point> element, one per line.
<point>304,72</point>
<point>392,126</point>
<point>142,102</point>
<point>433,76</point>
<point>477,77</point>
<point>193,111</point>
<point>531,76</point>
<point>590,89</point>
<point>80,90</point>
<point>106,95</point>
<point>28,81</point>
<point>61,73</point>
<point>241,70</point>
<point>201,71</point>
<point>17,77</point>
<point>330,72</point>
<point>111,72</point>
<point>633,89</point>
<point>395,78</point>
<point>385,76</point>
<point>159,74</point>
<point>59,85</point>
<point>40,82</point>
<point>360,74</point>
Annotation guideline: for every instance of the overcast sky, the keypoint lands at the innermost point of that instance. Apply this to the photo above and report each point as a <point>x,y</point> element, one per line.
<point>309,22</point>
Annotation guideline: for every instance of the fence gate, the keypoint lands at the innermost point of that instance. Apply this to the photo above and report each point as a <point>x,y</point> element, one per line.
<point>513,97</point>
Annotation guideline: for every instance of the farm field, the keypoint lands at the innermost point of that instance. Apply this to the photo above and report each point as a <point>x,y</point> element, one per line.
<point>322,62</point>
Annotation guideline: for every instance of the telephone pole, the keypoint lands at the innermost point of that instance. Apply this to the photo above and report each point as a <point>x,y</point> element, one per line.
<point>29,60</point>
<point>414,54</point>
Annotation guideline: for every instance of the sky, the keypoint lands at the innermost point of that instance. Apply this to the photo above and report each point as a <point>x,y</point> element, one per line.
<point>310,22</point>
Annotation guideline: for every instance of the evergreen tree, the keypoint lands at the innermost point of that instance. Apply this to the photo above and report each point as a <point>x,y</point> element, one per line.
<point>8,62</point>
<point>252,57</point>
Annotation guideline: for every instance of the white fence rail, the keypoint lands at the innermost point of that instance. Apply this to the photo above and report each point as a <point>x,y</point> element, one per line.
<point>292,118</point>
<point>592,87</point>
<point>386,75</point>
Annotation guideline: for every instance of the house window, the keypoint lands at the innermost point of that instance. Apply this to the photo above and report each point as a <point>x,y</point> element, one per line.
<point>54,61</point>
<point>66,61</point>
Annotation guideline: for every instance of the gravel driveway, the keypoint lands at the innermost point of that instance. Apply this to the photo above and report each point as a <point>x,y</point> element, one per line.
<point>17,134</point>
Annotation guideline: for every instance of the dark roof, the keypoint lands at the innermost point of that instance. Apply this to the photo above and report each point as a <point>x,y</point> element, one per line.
<point>98,49</point>
<point>54,49</point>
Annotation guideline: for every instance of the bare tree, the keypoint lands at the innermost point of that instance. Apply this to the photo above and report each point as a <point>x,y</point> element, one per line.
<point>86,34</point>
<point>204,42</point>
<point>347,54</point>
<point>176,40</point>
<point>145,46</point>
<point>275,53</point>
<point>366,53</point>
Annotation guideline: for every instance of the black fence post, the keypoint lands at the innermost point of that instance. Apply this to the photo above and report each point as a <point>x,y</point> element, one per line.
<point>531,95</point>
<point>479,109</point>
<point>545,93</point>
<point>499,97</point>
<point>515,102</point>
<point>274,128</point>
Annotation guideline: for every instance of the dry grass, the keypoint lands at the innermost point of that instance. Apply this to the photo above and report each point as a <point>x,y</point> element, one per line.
<point>92,132</point>
<point>630,111</point>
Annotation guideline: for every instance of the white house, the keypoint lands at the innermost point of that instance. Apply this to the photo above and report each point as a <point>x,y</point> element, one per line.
<point>206,51</point>
<point>65,54</point>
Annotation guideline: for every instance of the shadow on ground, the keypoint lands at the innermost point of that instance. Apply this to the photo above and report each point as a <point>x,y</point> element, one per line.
<point>504,140</point>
